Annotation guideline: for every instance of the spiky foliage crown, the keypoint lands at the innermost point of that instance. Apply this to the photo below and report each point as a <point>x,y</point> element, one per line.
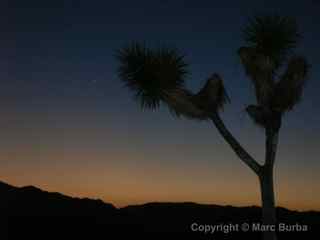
<point>151,74</point>
<point>270,44</point>
<point>157,76</point>
<point>272,36</point>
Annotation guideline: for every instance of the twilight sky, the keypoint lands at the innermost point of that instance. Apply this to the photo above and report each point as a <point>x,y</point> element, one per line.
<point>68,124</point>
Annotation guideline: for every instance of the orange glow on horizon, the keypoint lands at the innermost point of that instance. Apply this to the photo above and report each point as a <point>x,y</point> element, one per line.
<point>129,184</point>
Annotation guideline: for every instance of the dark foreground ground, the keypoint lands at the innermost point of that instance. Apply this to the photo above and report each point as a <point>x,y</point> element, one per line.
<point>30,213</point>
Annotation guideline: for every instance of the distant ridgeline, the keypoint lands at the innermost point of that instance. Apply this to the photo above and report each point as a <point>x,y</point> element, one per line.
<point>30,213</point>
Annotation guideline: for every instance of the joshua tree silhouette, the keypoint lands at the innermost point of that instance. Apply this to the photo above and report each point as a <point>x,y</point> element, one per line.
<point>277,74</point>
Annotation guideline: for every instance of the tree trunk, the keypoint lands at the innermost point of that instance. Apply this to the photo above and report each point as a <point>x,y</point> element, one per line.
<point>264,172</point>
<point>268,203</point>
<point>266,182</point>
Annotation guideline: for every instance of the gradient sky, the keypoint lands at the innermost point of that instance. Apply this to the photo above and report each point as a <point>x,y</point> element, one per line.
<point>68,124</point>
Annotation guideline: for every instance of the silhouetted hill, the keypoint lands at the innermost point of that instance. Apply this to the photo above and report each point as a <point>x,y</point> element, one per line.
<point>30,213</point>
<point>31,201</point>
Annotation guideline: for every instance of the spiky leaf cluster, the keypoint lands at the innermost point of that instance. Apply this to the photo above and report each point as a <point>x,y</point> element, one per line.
<point>270,44</point>
<point>150,74</point>
<point>273,36</point>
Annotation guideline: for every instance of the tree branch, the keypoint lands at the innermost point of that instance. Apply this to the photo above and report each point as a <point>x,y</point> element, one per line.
<point>235,145</point>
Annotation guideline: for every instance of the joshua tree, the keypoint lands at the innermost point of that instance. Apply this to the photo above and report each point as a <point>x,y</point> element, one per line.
<point>278,76</point>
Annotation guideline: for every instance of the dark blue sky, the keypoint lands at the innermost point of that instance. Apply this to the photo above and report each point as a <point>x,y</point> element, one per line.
<point>59,90</point>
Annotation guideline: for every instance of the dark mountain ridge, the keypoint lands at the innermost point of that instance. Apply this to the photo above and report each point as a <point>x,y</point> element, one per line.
<point>33,212</point>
